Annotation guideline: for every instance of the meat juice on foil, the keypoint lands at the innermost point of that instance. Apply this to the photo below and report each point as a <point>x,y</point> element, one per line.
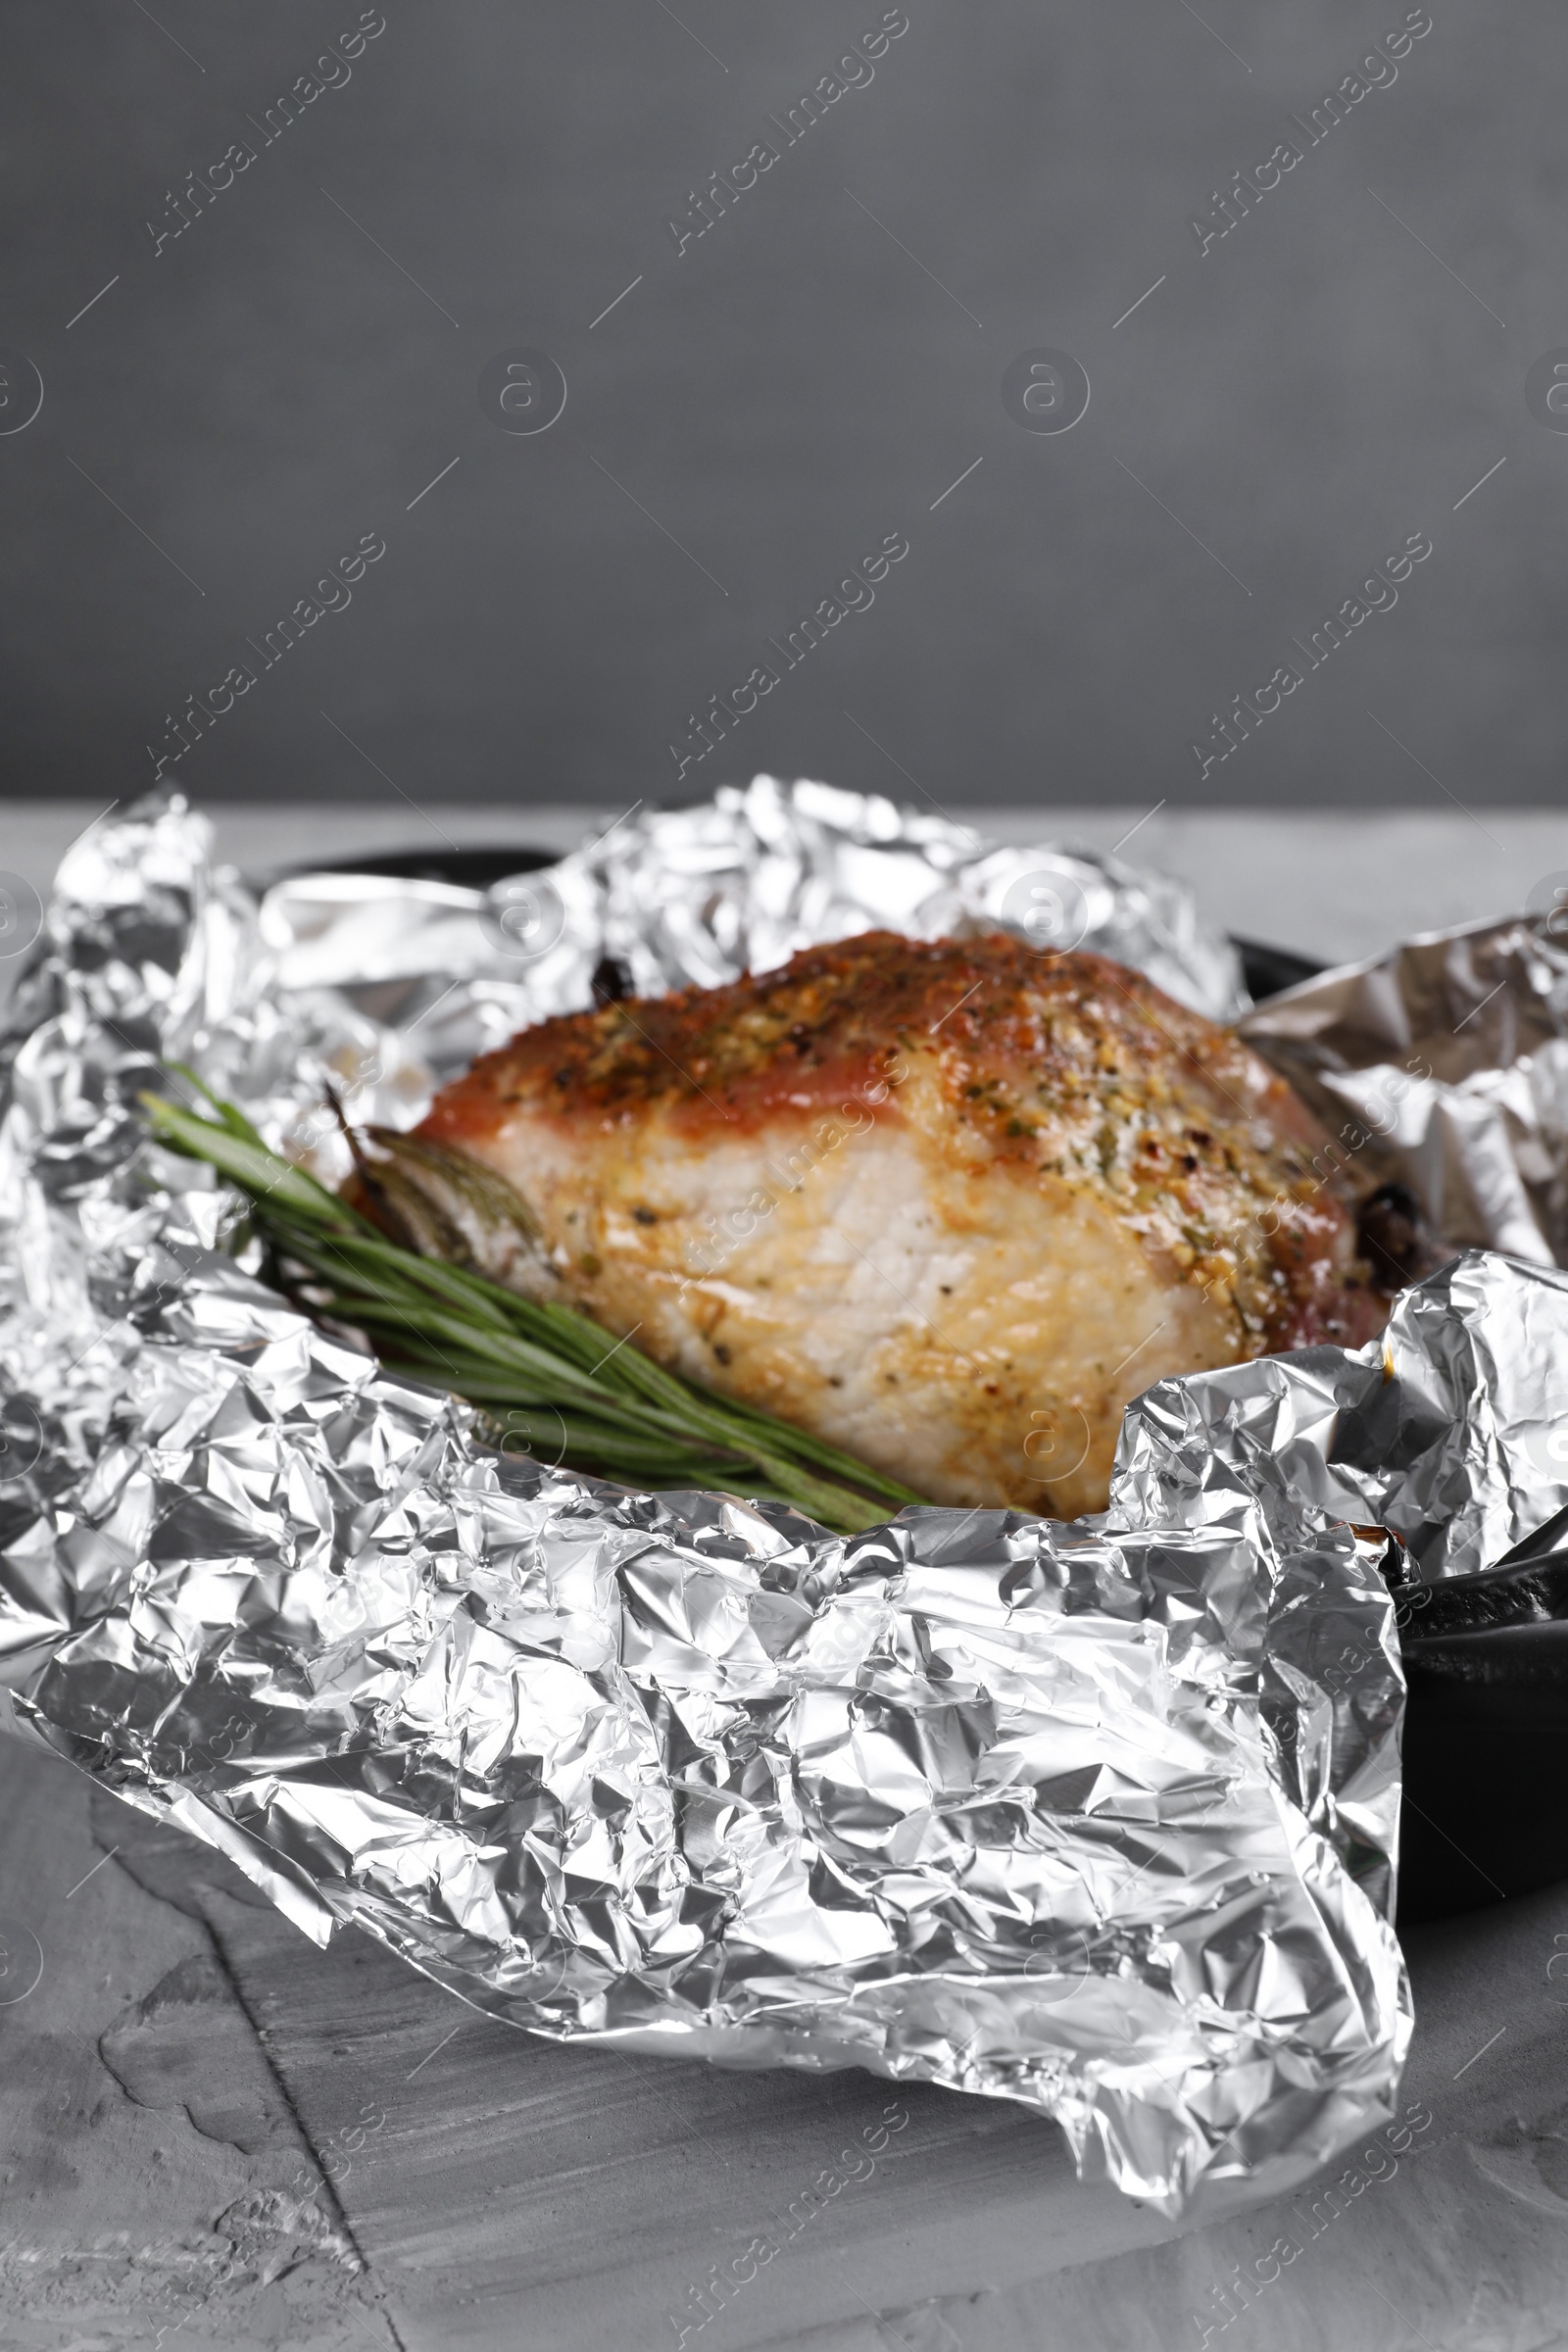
<point>1100,1817</point>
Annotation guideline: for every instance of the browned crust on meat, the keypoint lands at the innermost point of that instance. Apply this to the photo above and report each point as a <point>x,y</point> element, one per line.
<point>1069,1065</point>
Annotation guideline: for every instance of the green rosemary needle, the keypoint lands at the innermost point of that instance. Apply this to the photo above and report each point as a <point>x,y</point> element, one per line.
<point>546,1375</point>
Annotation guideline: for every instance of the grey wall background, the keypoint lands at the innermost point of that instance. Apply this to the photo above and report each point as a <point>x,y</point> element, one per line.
<point>241,404</point>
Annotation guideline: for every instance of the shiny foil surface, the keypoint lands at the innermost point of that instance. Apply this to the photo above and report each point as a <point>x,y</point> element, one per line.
<point>1444,1062</point>
<point>693,897</point>
<point>1099,1817</point>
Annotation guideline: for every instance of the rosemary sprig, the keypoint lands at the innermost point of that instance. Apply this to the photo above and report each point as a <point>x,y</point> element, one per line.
<point>546,1374</point>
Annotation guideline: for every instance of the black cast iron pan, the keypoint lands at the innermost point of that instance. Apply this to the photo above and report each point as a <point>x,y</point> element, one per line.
<point>1486,1735</point>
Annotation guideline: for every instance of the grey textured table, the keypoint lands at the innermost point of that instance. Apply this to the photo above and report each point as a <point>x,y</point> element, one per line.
<point>215,2135</point>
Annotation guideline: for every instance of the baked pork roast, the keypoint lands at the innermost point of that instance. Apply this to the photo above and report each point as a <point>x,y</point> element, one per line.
<point>948,1205</point>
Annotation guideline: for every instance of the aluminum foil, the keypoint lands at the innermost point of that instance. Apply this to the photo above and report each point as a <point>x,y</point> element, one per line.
<point>1451,1432</point>
<point>1099,1817</point>
<point>1445,1062</point>
<point>693,897</point>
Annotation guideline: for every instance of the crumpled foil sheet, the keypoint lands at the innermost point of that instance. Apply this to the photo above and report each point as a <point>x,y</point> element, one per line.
<point>1450,1431</point>
<point>693,897</point>
<point>1449,1054</point>
<point>1097,1817</point>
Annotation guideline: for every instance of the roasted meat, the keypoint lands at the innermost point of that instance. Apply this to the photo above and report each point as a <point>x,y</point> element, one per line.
<point>951,1204</point>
